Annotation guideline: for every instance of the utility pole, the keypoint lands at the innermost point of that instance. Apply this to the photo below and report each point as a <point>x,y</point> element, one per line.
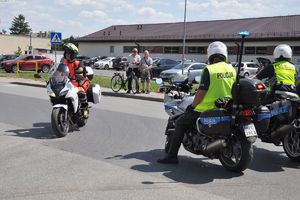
<point>30,46</point>
<point>184,37</point>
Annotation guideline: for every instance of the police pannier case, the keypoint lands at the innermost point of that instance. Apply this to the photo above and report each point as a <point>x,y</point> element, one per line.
<point>262,119</point>
<point>252,92</point>
<point>214,122</point>
<point>94,93</point>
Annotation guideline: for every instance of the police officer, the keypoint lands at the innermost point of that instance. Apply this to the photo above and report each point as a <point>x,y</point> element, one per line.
<point>216,82</point>
<point>77,75</point>
<point>281,73</point>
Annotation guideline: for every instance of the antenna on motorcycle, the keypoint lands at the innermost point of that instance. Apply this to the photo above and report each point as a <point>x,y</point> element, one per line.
<point>243,34</point>
<point>237,87</point>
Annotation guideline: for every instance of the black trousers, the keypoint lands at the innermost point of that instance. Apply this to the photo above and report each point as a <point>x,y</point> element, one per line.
<point>182,124</point>
<point>129,75</point>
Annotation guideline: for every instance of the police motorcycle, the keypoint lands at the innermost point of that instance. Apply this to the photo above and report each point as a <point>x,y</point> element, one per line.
<point>283,117</point>
<point>67,109</point>
<point>225,133</point>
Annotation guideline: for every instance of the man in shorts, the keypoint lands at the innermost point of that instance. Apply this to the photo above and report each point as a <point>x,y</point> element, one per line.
<point>145,67</point>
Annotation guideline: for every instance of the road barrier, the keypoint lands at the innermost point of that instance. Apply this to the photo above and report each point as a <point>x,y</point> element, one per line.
<point>18,66</point>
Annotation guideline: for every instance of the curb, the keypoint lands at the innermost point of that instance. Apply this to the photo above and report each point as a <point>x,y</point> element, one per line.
<point>105,93</point>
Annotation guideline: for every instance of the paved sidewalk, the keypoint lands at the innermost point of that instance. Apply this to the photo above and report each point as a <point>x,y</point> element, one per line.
<point>153,96</point>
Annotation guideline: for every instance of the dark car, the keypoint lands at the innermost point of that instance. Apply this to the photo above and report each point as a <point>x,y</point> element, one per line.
<point>83,59</point>
<point>160,65</point>
<point>120,63</point>
<point>28,63</point>
<point>92,60</point>
<point>6,57</point>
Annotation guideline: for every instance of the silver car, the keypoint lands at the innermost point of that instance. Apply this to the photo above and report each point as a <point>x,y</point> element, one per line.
<point>248,68</point>
<point>190,70</point>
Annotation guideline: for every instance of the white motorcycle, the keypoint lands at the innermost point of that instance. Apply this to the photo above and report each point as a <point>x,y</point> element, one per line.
<point>67,109</point>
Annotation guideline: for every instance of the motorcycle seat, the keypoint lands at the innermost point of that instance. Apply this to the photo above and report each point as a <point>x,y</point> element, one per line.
<point>286,94</point>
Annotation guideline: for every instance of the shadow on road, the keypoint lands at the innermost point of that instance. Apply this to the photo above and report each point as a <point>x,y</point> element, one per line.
<point>189,170</point>
<point>41,130</point>
<point>271,161</point>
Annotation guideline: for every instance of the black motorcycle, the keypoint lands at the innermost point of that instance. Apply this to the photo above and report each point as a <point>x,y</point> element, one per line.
<point>283,117</point>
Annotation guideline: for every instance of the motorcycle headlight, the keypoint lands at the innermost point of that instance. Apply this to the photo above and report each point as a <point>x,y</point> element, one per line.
<point>51,94</point>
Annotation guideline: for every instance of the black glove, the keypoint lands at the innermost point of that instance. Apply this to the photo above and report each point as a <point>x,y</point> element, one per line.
<point>190,108</point>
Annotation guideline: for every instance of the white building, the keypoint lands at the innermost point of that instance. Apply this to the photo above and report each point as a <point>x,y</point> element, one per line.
<point>165,39</point>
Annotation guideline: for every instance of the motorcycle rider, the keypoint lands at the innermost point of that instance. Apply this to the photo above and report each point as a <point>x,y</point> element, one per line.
<point>282,73</point>
<point>216,82</point>
<point>77,75</point>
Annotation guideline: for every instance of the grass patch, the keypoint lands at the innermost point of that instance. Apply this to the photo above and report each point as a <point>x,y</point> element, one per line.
<point>103,81</point>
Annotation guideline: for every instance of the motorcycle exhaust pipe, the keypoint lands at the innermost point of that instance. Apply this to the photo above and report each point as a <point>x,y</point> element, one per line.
<point>214,146</point>
<point>282,131</point>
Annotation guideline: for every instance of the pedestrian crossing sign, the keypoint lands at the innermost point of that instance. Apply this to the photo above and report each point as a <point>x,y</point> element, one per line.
<point>55,38</point>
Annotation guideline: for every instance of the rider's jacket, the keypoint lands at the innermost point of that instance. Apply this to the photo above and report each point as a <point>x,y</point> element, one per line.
<point>285,73</point>
<point>76,75</point>
<point>222,76</point>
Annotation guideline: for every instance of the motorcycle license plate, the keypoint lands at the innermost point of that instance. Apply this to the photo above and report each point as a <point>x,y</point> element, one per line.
<point>250,130</point>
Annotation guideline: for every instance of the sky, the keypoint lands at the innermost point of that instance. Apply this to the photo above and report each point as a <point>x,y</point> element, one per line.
<point>82,17</point>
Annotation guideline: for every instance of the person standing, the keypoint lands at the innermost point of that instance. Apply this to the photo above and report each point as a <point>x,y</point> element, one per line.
<point>281,74</point>
<point>133,67</point>
<point>145,67</point>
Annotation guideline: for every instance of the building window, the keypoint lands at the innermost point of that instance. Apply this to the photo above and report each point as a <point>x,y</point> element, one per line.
<point>249,50</point>
<point>171,50</point>
<point>196,50</point>
<point>128,49</point>
<point>153,49</point>
<point>112,49</point>
<point>232,50</point>
<point>296,50</point>
<point>261,50</point>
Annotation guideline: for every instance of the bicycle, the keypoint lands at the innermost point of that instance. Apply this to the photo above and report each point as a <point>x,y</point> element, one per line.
<point>118,82</point>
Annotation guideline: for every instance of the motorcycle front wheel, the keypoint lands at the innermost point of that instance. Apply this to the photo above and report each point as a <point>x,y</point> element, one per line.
<point>60,123</point>
<point>291,145</point>
<point>238,154</point>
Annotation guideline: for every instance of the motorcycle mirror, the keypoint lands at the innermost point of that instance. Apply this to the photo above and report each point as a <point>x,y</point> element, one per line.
<point>159,81</point>
<point>197,79</point>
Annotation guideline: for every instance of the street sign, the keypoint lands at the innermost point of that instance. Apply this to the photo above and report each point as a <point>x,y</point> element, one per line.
<point>55,38</point>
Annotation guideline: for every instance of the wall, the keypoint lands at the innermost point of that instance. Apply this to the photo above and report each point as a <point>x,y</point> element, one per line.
<point>103,49</point>
<point>9,43</point>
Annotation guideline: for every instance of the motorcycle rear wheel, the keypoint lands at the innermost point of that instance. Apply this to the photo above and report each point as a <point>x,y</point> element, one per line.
<point>237,155</point>
<point>291,145</point>
<point>60,126</point>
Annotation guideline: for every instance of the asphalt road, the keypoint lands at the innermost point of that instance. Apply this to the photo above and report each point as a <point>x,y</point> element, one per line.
<point>114,157</point>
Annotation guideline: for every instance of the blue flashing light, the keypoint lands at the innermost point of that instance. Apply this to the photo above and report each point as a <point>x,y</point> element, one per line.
<point>244,33</point>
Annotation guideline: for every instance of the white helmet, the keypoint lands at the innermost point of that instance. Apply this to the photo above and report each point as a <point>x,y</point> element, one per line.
<point>283,50</point>
<point>217,48</point>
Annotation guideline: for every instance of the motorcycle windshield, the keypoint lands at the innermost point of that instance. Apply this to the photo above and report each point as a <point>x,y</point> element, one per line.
<point>59,78</point>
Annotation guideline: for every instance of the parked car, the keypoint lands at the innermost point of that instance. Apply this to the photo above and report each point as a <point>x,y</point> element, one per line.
<point>248,68</point>
<point>120,63</point>
<point>91,61</point>
<point>105,63</point>
<point>7,57</point>
<point>83,59</point>
<point>162,64</point>
<point>190,71</point>
<point>26,63</point>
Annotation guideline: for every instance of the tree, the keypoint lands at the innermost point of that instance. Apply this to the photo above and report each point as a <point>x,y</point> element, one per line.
<point>4,31</point>
<point>19,51</point>
<point>19,26</point>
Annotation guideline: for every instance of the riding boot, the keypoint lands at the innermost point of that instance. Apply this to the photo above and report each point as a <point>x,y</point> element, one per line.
<point>84,104</point>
